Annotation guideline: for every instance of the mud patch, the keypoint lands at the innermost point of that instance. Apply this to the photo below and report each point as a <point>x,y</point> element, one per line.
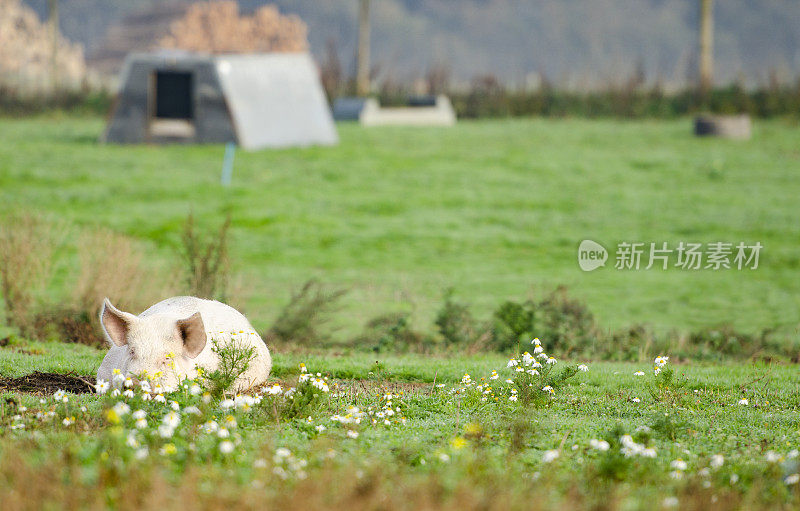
<point>48,383</point>
<point>355,387</point>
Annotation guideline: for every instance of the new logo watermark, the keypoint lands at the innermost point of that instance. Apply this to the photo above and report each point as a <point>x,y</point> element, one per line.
<point>591,255</point>
<point>718,255</point>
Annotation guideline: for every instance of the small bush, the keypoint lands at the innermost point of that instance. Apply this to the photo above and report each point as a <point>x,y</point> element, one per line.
<point>529,386</point>
<point>205,258</point>
<point>69,324</point>
<point>393,333</point>
<point>636,342</point>
<point>302,402</point>
<point>305,318</point>
<point>724,340</point>
<point>614,465</point>
<point>512,323</point>
<point>566,323</point>
<point>455,323</point>
<point>234,359</point>
<point>27,244</point>
<point>111,265</point>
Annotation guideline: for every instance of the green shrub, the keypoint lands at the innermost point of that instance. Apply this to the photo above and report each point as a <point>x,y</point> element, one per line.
<point>566,323</point>
<point>633,343</point>
<point>393,333</point>
<point>513,322</point>
<point>726,341</point>
<point>302,401</point>
<point>487,97</point>
<point>530,386</point>
<point>454,322</point>
<point>234,359</point>
<point>305,318</point>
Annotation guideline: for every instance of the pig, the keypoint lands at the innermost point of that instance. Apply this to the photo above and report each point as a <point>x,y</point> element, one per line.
<point>179,330</point>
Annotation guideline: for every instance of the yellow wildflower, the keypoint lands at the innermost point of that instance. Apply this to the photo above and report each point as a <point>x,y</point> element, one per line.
<point>458,443</point>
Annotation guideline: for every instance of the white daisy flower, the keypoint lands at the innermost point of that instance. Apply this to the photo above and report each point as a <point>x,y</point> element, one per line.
<point>600,445</point>
<point>226,447</point>
<point>550,456</point>
<point>679,464</point>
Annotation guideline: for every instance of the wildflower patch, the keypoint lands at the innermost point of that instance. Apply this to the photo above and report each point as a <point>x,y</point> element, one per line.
<point>595,425</point>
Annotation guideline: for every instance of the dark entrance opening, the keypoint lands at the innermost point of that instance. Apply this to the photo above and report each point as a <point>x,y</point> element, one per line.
<point>174,95</point>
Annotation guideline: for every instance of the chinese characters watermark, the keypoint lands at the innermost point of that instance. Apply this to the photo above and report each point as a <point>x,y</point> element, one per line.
<point>718,255</point>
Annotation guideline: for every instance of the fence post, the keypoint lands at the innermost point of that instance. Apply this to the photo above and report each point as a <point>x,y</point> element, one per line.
<point>227,164</point>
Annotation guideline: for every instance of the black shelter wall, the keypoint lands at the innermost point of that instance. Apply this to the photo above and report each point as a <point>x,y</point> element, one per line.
<point>132,113</point>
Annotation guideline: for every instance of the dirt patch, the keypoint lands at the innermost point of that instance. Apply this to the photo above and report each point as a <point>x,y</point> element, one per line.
<point>373,386</point>
<point>353,388</point>
<point>48,383</point>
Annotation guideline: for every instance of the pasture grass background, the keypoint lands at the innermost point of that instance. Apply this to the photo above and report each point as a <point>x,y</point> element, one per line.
<point>494,208</point>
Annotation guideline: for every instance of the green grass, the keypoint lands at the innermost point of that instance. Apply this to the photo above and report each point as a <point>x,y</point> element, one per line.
<point>21,358</point>
<point>494,208</point>
<point>453,450</point>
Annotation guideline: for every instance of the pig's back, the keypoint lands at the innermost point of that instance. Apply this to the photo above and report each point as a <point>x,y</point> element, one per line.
<point>220,321</point>
<point>216,315</point>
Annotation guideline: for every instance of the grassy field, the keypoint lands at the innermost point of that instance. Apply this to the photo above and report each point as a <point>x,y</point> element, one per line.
<point>494,208</point>
<point>694,444</point>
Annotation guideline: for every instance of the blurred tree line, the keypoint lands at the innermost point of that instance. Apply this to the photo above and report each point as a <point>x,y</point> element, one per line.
<point>487,98</point>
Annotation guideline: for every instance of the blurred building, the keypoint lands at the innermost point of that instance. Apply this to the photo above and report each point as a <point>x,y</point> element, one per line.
<point>256,101</point>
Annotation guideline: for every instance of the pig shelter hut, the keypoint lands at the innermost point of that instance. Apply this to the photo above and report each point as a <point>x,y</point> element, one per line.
<point>255,101</point>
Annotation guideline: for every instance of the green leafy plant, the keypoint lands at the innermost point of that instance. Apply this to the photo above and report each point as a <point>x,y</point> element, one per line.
<point>531,385</point>
<point>393,333</point>
<point>234,360</point>
<point>305,319</point>
<point>669,425</point>
<point>454,321</point>
<point>565,322</point>
<point>301,402</point>
<point>512,322</point>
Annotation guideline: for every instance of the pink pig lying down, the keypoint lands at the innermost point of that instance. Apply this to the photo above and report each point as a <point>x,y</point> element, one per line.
<point>182,330</point>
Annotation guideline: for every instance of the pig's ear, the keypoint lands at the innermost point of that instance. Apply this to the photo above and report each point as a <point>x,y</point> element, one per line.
<point>116,323</point>
<point>193,333</point>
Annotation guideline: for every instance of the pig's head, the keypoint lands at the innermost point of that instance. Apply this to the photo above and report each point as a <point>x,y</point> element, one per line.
<point>156,343</point>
